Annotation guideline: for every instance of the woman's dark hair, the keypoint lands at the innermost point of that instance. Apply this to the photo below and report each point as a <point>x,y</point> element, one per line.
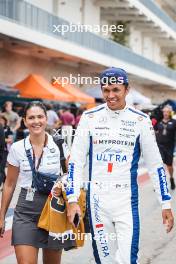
<point>32,104</point>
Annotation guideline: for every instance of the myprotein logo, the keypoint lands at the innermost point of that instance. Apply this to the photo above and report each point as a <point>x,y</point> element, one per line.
<point>114,142</point>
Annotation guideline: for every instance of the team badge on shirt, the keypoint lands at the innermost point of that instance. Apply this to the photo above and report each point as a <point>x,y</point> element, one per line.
<point>140,118</point>
<point>91,115</point>
<point>53,150</point>
<point>103,119</point>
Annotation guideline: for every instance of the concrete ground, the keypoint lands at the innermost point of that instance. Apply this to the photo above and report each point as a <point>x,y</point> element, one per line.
<point>157,247</point>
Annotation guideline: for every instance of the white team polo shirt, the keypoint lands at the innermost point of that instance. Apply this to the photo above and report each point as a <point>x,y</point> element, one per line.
<point>50,162</point>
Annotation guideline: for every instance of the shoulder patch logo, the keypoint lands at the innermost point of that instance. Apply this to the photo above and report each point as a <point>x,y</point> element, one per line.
<point>91,115</point>
<point>52,150</point>
<point>103,119</point>
<point>140,118</point>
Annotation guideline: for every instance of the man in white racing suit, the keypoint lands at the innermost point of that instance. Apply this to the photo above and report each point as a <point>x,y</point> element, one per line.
<point>111,138</point>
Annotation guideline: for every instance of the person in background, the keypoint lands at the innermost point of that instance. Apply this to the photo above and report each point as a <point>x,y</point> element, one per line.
<point>13,118</point>
<point>154,121</point>
<point>165,136</point>
<point>2,147</point>
<point>68,124</point>
<point>78,116</point>
<point>67,117</point>
<point>8,142</point>
<point>52,118</point>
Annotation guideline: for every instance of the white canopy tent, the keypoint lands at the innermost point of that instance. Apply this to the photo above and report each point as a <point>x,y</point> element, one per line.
<point>134,97</point>
<point>94,92</point>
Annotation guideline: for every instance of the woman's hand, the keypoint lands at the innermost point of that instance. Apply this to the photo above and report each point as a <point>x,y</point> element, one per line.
<point>57,190</point>
<point>2,226</point>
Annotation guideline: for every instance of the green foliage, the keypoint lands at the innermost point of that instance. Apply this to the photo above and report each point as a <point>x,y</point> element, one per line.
<point>121,37</point>
<point>170,60</point>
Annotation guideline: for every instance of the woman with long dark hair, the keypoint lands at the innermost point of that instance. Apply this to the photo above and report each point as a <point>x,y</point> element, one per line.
<point>40,150</point>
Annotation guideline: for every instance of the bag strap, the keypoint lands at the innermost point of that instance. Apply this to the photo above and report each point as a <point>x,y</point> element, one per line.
<point>31,163</point>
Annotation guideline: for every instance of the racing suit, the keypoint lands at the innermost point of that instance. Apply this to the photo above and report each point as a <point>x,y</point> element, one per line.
<point>112,142</point>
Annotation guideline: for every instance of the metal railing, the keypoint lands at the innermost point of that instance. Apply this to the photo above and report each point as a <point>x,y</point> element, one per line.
<point>151,5</point>
<point>30,16</point>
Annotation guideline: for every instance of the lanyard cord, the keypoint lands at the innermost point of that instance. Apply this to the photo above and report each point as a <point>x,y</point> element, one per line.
<point>40,158</point>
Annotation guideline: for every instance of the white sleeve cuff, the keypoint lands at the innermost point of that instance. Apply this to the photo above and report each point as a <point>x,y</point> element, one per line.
<point>72,199</point>
<point>166,205</point>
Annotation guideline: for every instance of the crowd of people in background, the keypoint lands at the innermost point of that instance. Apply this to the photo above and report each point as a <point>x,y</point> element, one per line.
<point>165,131</point>
<point>66,119</point>
<point>12,127</point>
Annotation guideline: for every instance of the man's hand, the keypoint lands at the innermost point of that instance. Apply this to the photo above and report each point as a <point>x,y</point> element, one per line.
<point>168,219</point>
<point>72,209</point>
